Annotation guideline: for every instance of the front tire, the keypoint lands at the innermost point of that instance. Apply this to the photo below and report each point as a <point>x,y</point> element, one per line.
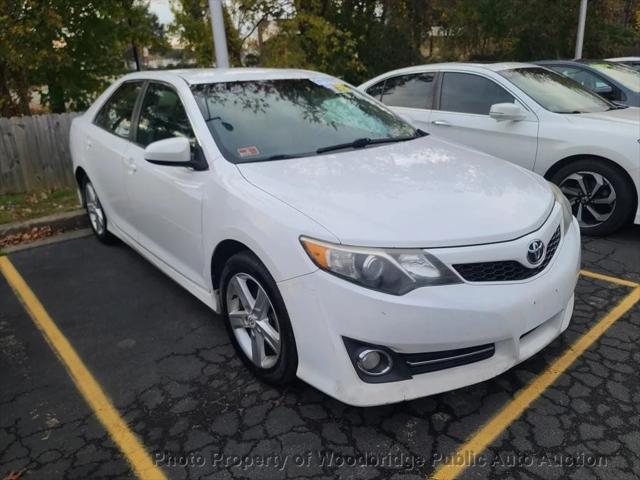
<point>95,212</point>
<point>601,196</point>
<point>257,321</point>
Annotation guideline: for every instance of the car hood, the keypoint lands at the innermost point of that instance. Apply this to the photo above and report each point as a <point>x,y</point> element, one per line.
<point>624,116</point>
<point>421,193</point>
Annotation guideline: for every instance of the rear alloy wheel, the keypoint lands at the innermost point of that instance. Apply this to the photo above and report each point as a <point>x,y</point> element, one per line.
<point>602,200</point>
<point>257,320</point>
<point>97,217</point>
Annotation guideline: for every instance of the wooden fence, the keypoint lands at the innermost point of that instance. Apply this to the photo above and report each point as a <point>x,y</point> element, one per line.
<point>34,153</point>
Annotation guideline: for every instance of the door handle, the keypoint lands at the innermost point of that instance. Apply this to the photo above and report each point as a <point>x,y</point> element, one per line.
<point>441,123</point>
<point>131,165</point>
<point>88,144</point>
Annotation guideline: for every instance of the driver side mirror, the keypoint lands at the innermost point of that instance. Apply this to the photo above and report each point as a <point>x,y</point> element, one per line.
<point>507,111</point>
<point>175,152</point>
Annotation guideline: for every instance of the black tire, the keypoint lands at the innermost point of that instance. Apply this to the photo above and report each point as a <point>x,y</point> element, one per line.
<point>284,369</point>
<point>103,233</point>
<point>626,197</point>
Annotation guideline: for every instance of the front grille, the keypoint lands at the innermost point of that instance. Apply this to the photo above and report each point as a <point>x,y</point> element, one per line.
<point>433,361</point>
<point>507,270</point>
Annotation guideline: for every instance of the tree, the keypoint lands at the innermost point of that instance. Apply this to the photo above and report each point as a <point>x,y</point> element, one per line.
<point>68,49</point>
<point>192,25</point>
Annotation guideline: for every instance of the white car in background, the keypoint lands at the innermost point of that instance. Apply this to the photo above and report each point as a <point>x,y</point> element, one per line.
<point>633,62</point>
<point>339,243</point>
<point>535,118</point>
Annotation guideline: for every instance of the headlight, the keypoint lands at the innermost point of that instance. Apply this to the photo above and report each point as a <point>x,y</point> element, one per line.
<point>394,271</point>
<point>567,214</point>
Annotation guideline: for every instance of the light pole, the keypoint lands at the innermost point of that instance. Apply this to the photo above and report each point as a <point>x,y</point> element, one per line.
<point>582,18</point>
<point>219,35</point>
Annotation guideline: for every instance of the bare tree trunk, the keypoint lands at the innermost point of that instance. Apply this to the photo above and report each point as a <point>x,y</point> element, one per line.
<point>6,102</point>
<point>57,102</point>
<point>24,97</point>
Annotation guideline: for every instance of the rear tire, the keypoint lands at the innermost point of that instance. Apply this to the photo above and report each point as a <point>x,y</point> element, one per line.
<point>257,321</point>
<point>95,212</point>
<point>602,197</point>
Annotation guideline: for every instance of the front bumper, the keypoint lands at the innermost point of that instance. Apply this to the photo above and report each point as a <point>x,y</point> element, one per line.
<point>324,309</point>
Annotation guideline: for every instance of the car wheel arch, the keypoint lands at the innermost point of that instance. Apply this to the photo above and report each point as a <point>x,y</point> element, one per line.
<point>573,158</point>
<point>81,176</point>
<point>223,251</point>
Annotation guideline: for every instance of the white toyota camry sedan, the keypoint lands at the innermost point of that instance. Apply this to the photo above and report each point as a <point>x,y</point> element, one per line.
<point>340,244</point>
<point>536,118</point>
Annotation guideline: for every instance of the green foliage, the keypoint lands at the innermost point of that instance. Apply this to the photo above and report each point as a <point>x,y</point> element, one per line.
<point>310,41</point>
<point>358,39</point>
<point>72,48</point>
<point>192,25</point>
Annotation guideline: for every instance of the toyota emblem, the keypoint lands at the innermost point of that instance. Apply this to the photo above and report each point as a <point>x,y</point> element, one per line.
<point>535,252</point>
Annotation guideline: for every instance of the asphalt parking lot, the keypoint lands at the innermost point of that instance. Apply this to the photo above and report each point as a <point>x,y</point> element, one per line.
<point>165,362</point>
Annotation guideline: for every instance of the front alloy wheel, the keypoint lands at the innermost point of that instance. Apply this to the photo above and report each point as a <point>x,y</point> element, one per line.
<point>602,197</point>
<point>254,320</point>
<point>257,319</point>
<point>592,197</point>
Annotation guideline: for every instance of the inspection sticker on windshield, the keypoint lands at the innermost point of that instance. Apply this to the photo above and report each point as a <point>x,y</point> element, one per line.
<point>331,84</point>
<point>248,151</point>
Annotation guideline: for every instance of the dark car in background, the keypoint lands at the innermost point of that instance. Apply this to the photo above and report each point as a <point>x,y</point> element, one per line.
<point>614,81</point>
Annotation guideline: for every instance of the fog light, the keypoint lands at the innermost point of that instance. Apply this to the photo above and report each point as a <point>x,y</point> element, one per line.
<point>374,362</point>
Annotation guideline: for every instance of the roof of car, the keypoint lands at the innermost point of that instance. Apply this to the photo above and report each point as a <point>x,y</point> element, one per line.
<point>195,76</point>
<point>624,59</point>
<point>579,61</point>
<point>495,67</point>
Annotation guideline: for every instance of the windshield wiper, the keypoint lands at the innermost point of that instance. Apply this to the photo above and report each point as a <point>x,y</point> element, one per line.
<point>363,142</point>
<point>285,156</point>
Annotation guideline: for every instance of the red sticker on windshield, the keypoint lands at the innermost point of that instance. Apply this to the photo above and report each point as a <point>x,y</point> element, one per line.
<point>248,151</point>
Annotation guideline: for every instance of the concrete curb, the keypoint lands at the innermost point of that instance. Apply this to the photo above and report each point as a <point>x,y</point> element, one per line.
<point>62,237</point>
<point>72,220</point>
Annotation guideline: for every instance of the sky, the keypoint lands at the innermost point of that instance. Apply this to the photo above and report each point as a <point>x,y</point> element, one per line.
<point>162,9</point>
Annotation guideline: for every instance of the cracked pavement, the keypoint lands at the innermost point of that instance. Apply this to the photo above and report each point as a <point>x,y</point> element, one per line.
<point>166,363</point>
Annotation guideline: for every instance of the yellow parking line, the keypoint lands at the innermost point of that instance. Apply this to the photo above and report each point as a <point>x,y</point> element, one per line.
<point>90,389</point>
<point>610,279</point>
<point>480,440</point>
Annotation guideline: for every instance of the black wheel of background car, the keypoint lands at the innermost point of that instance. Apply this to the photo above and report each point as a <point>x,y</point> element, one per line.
<point>257,320</point>
<point>97,217</point>
<point>602,197</point>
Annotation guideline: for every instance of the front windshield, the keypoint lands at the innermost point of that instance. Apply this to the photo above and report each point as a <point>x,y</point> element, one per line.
<point>626,76</point>
<point>261,120</point>
<point>555,92</point>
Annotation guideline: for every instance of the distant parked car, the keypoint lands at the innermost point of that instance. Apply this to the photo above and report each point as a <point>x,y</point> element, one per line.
<point>633,62</point>
<point>535,118</point>
<point>613,81</point>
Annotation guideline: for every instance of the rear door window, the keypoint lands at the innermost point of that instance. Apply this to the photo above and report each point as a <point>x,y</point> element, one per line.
<point>116,114</point>
<point>376,90</point>
<point>411,91</point>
